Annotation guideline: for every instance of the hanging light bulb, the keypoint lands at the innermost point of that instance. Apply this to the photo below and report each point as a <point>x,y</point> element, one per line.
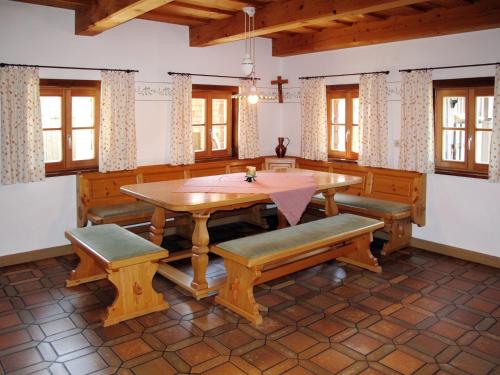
<point>253,97</point>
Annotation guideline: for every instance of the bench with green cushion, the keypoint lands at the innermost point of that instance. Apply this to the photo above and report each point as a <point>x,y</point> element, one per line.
<point>127,260</point>
<point>121,213</point>
<point>396,216</point>
<point>262,257</point>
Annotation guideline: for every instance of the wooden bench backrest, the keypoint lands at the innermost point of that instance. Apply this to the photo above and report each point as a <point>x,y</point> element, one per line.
<point>380,183</point>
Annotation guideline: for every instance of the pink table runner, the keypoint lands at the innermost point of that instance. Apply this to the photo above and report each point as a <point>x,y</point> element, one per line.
<point>291,192</point>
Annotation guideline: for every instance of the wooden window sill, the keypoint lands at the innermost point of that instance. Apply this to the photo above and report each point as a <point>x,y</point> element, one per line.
<point>68,172</point>
<point>338,160</point>
<point>451,172</point>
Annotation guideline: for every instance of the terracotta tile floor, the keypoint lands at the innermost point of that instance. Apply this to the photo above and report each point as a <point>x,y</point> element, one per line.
<point>426,314</point>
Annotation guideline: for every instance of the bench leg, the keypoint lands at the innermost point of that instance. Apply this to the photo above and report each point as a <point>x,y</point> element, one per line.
<point>135,295</point>
<point>237,292</point>
<point>399,232</point>
<point>86,271</point>
<point>362,257</point>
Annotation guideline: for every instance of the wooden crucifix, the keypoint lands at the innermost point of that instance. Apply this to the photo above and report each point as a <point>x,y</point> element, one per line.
<point>280,83</point>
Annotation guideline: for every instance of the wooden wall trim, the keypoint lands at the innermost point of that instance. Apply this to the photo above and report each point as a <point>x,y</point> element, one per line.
<point>456,252</point>
<point>34,255</point>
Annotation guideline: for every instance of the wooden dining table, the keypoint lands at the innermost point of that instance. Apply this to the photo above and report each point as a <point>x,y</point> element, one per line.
<point>164,196</point>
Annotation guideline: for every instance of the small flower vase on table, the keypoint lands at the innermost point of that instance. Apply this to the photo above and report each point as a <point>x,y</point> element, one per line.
<point>251,174</point>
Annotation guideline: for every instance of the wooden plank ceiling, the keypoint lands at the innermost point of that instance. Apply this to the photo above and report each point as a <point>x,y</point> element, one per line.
<point>296,26</point>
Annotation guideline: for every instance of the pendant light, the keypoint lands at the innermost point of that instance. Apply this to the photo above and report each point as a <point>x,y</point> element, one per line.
<point>248,62</point>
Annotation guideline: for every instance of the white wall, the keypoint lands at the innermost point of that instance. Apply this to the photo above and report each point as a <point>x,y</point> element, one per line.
<point>462,212</point>
<point>34,216</point>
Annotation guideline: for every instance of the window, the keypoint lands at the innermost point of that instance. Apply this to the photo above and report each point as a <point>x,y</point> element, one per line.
<point>463,126</point>
<point>343,121</point>
<point>212,120</point>
<point>70,121</point>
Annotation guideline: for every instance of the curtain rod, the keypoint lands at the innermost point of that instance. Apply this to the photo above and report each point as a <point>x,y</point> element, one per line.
<point>344,75</point>
<point>69,67</point>
<point>208,75</point>
<point>448,67</point>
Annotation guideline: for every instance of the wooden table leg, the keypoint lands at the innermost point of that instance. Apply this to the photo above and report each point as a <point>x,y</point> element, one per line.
<point>157,227</point>
<point>331,208</point>
<point>200,240</point>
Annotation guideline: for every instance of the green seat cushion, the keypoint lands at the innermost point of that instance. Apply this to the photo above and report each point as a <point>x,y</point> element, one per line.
<point>113,242</point>
<point>274,242</point>
<point>138,208</point>
<point>369,204</point>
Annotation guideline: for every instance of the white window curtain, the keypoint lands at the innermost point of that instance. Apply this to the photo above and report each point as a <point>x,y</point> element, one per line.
<point>417,131</point>
<point>494,168</point>
<point>314,135</point>
<point>21,131</point>
<point>117,141</point>
<point>248,126</point>
<point>181,132</point>
<point>373,127</point>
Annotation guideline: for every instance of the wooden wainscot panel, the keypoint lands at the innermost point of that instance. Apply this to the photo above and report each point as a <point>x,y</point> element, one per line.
<point>161,172</point>
<point>313,164</point>
<point>204,170</point>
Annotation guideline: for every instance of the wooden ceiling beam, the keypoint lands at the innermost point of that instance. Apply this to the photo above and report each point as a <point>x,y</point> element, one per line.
<point>291,14</point>
<point>483,14</point>
<point>103,15</point>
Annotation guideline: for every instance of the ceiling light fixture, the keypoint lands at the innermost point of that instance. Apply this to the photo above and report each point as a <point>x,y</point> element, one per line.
<point>248,62</point>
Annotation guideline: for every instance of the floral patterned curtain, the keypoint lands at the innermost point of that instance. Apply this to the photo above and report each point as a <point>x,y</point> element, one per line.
<point>181,132</point>
<point>417,132</point>
<point>21,131</point>
<point>248,126</point>
<point>117,142</point>
<point>373,127</point>
<point>314,135</point>
<point>494,168</point>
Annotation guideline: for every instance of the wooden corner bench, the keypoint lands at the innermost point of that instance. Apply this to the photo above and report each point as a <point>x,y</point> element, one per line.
<point>128,261</point>
<point>256,259</point>
<point>394,196</point>
<point>99,200</point>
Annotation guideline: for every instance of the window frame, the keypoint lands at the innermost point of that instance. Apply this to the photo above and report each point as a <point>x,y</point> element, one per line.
<point>470,88</point>
<point>67,89</point>
<point>347,92</point>
<point>209,92</point>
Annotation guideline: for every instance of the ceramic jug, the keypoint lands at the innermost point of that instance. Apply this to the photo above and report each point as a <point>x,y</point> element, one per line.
<point>281,148</point>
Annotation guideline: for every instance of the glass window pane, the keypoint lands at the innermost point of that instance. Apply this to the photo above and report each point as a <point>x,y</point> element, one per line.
<point>219,137</point>
<point>82,144</point>
<point>52,146</point>
<point>355,111</point>
<point>82,111</point>
<point>355,139</point>
<point>454,112</point>
<point>484,112</point>
<point>51,109</point>
<point>219,111</point>
<point>338,138</point>
<point>483,141</point>
<point>199,138</point>
<point>198,111</point>
<point>338,111</point>
<point>454,145</point>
